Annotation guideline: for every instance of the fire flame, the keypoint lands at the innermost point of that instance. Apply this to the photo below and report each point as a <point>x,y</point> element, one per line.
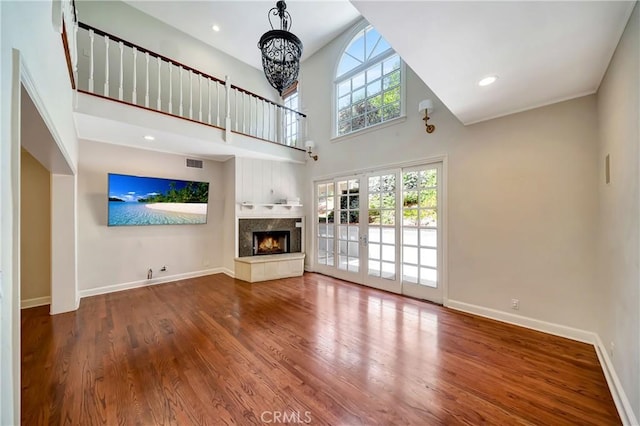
<point>269,244</point>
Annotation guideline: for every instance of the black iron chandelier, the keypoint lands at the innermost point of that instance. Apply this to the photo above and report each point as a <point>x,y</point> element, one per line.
<point>281,51</point>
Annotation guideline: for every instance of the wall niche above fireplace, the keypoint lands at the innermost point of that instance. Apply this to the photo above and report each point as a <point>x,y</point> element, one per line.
<point>282,235</point>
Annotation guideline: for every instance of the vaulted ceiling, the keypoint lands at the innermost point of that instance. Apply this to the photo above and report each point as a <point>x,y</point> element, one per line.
<point>542,52</point>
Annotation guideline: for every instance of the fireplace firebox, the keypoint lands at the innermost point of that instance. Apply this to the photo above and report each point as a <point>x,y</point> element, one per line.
<point>271,242</point>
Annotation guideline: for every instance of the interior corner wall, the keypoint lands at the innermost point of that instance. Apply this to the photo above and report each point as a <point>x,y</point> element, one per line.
<point>521,204</point>
<point>619,236</point>
<point>230,244</point>
<point>111,256</point>
<point>131,24</point>
<point>35,233</point>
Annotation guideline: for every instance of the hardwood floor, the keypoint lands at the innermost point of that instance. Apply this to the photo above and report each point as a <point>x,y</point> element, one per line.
<point>213,350</point>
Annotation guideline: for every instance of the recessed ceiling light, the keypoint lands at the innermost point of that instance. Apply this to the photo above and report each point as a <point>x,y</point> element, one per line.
<point>215,28</point>
<point>488,80</point>
<point>150,138</point>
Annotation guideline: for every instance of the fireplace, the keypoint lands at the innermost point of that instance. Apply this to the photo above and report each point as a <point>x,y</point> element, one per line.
<point>249,227</point>
<point>270,242</point>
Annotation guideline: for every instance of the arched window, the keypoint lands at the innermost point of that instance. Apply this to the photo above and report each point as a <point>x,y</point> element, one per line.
<point>368,84</point>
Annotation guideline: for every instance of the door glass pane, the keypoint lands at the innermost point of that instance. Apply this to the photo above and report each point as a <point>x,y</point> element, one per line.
<point>389,253</point>
<point>349,231</point>
<point>374,234</point>
<point>429,277</point>
<point>389,236</point>
<point>381,221</point>
<point>389,270</point>
<point>374,268</point>
<point>325,212</point>
<point>420,223</point>
<point>428,238</point>
<point>374,251</point>
<point>410,236</point>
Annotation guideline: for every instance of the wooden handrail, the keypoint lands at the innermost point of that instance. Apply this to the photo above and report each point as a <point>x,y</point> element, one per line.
<point>186,67</point>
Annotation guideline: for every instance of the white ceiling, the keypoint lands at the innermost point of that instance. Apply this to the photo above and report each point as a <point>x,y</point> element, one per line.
<point>242,22</point>
<point>543,52</point>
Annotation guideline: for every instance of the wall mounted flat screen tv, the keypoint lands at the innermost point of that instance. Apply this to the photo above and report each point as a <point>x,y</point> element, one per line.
<point>137,200</point>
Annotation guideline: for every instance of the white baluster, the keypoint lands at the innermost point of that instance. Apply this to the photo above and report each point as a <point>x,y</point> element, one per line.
<point>200,97</point>
<point>91,60</point>
<point>120,90</point>
<point>159,88</point>
<point>244,112</point>
<point>190,94</point>
<point>106,71</point>
<point>209,99</point>
<point>269,106</point>
<point>170,89</point>
<point>263,118</point>
<point>217,104</point>
<point>181,109</point>
<point>146,96</point>
<point>236,116</point>
<point>134,94</point>
<point>227,120</point>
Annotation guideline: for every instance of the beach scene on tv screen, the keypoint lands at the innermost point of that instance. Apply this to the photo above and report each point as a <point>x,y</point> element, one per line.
<point>136,200</point>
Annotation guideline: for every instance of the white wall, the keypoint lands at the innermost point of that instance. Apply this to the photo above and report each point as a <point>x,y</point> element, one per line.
<point>131,24</point>
<point>522,210</point>
<point>111,256</point>
<point>28,28</point>
<point>619,236</point>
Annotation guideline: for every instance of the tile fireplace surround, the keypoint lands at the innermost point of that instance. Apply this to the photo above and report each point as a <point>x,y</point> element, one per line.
<point>246,228</point>
<point>254,268</point>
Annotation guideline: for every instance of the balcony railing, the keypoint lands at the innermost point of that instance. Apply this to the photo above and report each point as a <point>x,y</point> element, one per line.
<point>116,69</point>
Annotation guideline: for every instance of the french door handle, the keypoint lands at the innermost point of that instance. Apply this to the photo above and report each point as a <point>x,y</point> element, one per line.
<point>365,240</point>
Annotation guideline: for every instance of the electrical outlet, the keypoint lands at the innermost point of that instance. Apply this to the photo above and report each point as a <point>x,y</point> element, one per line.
<point>515,304</point>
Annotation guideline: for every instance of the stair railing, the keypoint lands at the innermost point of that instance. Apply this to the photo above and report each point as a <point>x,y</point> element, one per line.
<point>108,66</point>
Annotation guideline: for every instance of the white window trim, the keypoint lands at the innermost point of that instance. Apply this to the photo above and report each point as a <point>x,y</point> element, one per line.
<point>334,112</point>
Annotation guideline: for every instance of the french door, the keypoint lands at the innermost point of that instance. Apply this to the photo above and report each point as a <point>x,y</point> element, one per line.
<point>381,229</point>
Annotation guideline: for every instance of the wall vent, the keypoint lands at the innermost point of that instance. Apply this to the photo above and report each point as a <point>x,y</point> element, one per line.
<point>197,164</point>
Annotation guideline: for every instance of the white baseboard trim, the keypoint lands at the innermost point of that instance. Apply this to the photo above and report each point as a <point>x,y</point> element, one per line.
<point>532,323</point>
<point>228,272</point>
<point>617,391</point>
<point>36,301</point>
<point>144,283</point>
<point>615,387</point>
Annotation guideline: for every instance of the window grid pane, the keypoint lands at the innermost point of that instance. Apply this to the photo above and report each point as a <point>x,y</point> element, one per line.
<point>369,97</point>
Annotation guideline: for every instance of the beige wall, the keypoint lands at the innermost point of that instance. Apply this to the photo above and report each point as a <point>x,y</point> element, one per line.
<point>35,229</point>
<point>522,204</point>
<point>121,255</point>
<point>619,236</point>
